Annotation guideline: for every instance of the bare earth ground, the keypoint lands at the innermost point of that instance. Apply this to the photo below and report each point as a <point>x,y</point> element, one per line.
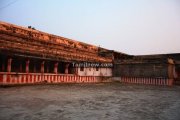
<point>103,101</point>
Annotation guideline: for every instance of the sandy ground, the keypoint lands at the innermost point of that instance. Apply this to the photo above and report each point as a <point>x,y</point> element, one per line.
<point>103,101</point>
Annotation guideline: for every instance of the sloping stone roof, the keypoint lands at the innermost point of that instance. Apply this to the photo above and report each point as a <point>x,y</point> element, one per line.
<point>33,43</point>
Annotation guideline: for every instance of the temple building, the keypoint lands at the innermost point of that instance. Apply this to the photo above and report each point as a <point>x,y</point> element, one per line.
<point>29,56</point>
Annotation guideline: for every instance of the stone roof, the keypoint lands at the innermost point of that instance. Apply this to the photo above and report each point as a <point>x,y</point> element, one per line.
<point>29,42</point>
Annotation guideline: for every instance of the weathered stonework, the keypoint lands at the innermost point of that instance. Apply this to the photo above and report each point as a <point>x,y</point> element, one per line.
<point>29,56</point>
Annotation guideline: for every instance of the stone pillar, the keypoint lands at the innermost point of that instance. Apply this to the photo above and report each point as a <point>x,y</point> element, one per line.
<point>56,68</point>
<point>170,68</point>
<point>42,67</point>
<point>9,65</point>
<point>76,70</point>
<point>27,66</point>
<point>66,68</point>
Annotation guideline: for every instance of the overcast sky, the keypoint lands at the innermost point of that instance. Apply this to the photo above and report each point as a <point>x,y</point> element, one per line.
<point>131,26</point>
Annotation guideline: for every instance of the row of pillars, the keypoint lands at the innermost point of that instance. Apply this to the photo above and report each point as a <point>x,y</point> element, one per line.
<point>42,66</point>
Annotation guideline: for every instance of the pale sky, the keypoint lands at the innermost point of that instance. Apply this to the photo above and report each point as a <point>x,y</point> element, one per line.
<point>134,27</point>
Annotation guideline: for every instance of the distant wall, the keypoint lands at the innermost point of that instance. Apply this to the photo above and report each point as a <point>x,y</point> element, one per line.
<point>141,70</point>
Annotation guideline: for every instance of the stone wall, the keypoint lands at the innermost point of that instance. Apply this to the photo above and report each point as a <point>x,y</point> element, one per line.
<point>141,70</point>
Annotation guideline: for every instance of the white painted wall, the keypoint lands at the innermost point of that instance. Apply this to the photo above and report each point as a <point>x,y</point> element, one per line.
<point>93,72</point>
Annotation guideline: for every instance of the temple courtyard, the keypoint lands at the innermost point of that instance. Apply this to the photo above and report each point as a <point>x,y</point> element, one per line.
<point>102,101</point>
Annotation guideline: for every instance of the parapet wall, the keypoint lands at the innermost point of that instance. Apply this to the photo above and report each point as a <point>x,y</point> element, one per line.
<point>38,78</point>
<point>156,70</point>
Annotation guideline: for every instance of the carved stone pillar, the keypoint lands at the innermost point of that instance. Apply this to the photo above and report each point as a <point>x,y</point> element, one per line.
<point>76,70</point>
<point>9,65</point>
<point>56,68</point>
<point>66,68</point>
<point>42,67</point>
<point>27,66</point>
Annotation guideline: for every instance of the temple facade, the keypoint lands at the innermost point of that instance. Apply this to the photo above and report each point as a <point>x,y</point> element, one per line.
<point>29,56</point>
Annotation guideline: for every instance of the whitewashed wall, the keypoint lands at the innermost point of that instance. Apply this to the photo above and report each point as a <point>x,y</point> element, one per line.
<point>93,72</point>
